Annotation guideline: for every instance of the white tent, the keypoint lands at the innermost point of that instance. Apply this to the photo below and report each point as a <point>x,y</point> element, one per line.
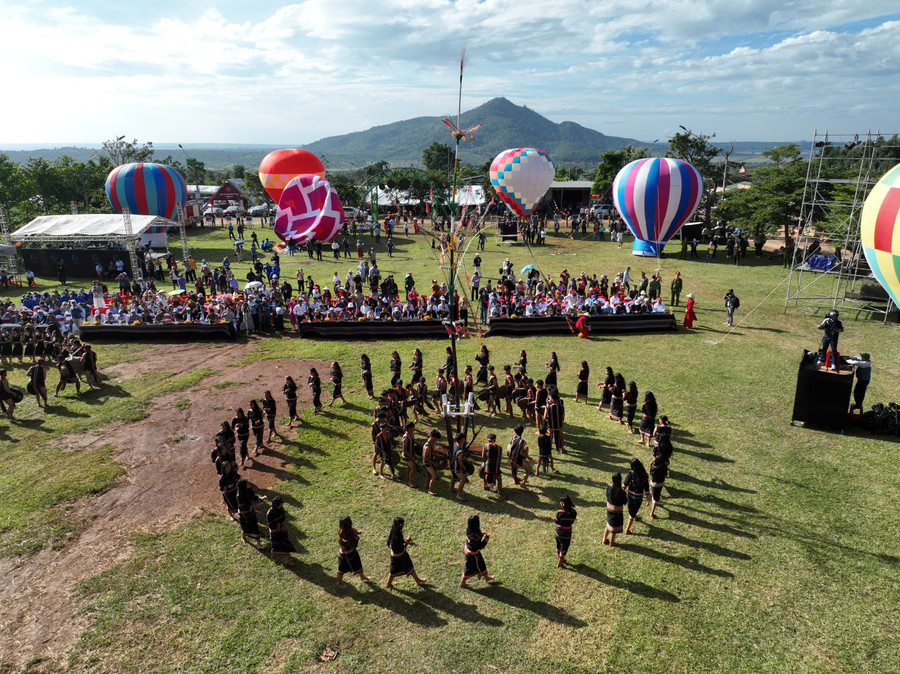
<point>84,227</point>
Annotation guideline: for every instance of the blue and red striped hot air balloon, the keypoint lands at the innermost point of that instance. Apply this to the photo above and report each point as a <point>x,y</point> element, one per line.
<point>880,231</point>
<point>146,189</point>
<point>656,197</point>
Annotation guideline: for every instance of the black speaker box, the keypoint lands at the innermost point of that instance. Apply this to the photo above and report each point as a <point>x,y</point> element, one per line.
<point>822,398</point>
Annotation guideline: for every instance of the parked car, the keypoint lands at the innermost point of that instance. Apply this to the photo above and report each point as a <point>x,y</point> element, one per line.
<point>603,211</point>
<point>259,209</point>
<point>215,210</point>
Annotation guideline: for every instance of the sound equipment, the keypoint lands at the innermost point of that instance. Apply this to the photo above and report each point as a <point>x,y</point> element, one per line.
<point>822,397</point>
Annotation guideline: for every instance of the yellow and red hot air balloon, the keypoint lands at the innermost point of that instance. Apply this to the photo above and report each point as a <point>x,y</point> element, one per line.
<point>880,230</point>
<point>278,168</point>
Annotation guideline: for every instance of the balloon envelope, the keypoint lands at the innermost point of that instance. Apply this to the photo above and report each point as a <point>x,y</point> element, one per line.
<point>309,207</point>
<point>880,231</point>
<point>655,197</point>
<point>278,168</point>
<point>522,177</point>
<point>146,189</point>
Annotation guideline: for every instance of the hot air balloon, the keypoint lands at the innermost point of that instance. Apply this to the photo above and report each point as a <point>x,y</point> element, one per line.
<point>880,231</point>
<point>656,197</point>
<point>278,168</point>
<point>309,207</point>
<point>146,189</point>
<point>522,177</point>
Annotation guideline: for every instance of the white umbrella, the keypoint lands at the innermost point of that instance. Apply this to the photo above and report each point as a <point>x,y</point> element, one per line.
<point>253,284</point>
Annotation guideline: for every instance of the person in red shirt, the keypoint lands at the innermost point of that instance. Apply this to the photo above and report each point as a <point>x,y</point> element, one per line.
<point>689,315</point>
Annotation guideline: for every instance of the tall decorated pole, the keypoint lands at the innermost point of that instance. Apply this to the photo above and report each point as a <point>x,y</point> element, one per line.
<point>455,402</point>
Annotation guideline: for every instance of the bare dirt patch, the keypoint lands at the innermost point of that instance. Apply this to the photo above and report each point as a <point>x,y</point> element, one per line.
<point>169,480</point>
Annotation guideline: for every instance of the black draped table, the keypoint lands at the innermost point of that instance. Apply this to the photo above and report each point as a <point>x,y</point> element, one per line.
<point>161,331</point>
<point>606,324</point>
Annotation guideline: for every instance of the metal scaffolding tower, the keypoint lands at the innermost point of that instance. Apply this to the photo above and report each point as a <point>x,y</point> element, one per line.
<point>842,169</point>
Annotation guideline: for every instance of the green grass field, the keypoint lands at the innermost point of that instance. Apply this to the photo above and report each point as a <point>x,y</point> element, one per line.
<point>775,548</point>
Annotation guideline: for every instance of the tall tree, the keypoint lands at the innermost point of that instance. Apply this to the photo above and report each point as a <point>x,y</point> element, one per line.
<point>121,151</point>
<point>438,157</point>
<point>610,165</point>
<point>696,149</point>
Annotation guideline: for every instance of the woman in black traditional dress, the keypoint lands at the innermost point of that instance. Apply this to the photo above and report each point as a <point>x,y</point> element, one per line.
<point>637,488</point>
<point>5,346</point>
<point>492,457</point>
<point>241,426</point>
<point>617,398</point>
<point>523,362</point>
<point>648,417</point>
<point>483,358</point>
<point>290,397</point>
<point>553,367</point>
<point>564,519</point>
<point>276,519</point>
<point>476,540</point>
<point>583,375</point>
<point>401,564</point>
<point>615,500</point>
<point>270,409</point>
<point>396,367</point>
<point>246,500</point>
<point>630,400</point>
<point>545,450</point>
<point>315,384</point>
<point>365,370</point>
<point>659,471</point>
<point>28,341</point>
<point>257,419</point>
<point>606,388</point>
<point>337,378</point>
<point>228,486</point>
<point>662,439</point>
<point>17,347</point>
<point>416,365</point>
<point>408,453</point>
<point>348,557</point>
<point>431,459</point>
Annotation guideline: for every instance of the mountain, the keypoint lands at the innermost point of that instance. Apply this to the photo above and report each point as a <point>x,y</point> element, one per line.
<point>505,125</point>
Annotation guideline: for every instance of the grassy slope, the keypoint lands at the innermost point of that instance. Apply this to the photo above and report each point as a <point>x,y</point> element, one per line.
<point>775,550</point>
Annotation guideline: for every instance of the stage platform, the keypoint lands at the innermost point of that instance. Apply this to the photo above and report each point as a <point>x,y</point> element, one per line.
<point>600,325</point>
<point>172,332</point>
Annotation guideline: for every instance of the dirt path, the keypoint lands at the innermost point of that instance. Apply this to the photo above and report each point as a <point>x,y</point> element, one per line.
<point>168,480</point>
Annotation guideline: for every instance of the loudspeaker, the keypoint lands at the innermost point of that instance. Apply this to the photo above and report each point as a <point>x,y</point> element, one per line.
<point>822,397</point>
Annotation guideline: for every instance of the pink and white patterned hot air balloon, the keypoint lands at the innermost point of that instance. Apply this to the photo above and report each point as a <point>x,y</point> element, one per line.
<point>309,207</point>
<point>522,177</point>
<point>655,197</point>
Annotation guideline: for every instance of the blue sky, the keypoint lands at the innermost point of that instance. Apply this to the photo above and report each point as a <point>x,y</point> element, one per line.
<point>291,73</point>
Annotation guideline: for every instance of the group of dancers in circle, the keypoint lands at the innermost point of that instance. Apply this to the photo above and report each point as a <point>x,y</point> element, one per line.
<point>398,411</point>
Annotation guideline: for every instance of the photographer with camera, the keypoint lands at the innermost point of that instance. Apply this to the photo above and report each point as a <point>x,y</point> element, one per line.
<point>832,327</point>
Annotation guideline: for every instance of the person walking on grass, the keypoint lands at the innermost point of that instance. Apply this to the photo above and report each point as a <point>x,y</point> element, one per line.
<point>492,473</point>
<point>246,502</point>
<point>290,397</point>
<point>270,410</point>
<point>545,451</point>
<point>401,563</point>
<point>689,315</point>
<point>583,374</point>
<point>337,379</point>
<point>430,458</point>
<point>408,452</point>
<point>517,453</point>
<point>315,384</point>
<point>348,556</point>
<point>648,418</point>
<point>637,488</point>
<point>676,286</point>
<point>731,304</point>
<point>240,424</point>
<point>459,465</point>
<point>564,519</point>
<point>615,501</point>
<point>37,381</point>
<point>476,540</point>
<point>276,519</point>
<point>256,418</point>
<point>659,470</point>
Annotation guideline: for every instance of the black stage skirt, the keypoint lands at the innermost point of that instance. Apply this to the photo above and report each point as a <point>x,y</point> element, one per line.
<point>482,376</point>
<point>270,423</point>
<point>367,381</point>
<point>629,413</point>
<point>582,389</point>
<point>550,379</point>
<point>281,542</point>
<point>249,524</point>
<point>656,492</point>
<point>6,349</point>
<point>614,520</point>
<point>29,348</point>
<point>606,396</point>
<point>349,562</point>
<point>292,408</point>
<point>17,349</point>
<point>402,565</point>
<point>337,391</point>
<point>615,408</point>
<point>647,425</point>
<point>634,503</point>
<point>474,565</point>
<point>258,434</point>
<point>563,540</point>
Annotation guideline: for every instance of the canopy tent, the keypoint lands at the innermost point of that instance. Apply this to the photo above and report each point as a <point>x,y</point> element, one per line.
<point>466,195</point>
<point>96,227</point>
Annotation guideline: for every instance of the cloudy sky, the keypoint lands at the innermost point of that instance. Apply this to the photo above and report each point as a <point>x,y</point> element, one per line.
<point>226,71</point>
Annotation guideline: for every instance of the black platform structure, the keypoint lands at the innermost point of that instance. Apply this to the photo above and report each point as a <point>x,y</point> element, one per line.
<point>171,332</point>
<point>368,330</point>
<point>823,396</point>
<point>600,325</point>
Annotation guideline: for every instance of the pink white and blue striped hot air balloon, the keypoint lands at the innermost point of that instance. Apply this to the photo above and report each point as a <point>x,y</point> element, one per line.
<point>656,197</point>
<point>146,189</point>
<point>522,177</point>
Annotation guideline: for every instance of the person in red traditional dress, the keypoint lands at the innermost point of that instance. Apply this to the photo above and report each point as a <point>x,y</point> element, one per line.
<point>689,315</point>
